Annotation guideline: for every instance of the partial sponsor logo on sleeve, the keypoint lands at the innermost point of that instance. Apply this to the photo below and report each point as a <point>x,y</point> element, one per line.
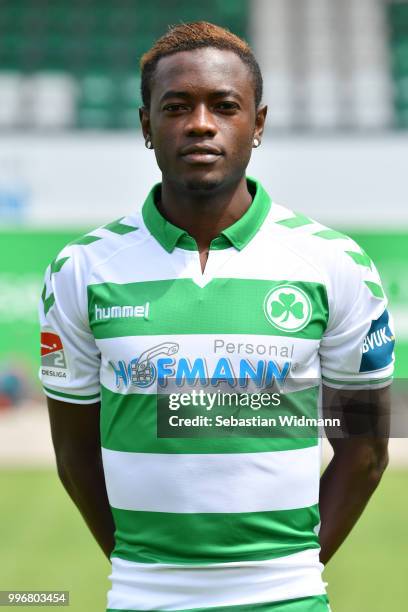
<point>378,345</point>
<point>53,359</point>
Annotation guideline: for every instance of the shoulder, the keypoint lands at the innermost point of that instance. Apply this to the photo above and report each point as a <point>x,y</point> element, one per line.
<point>349,276</point>
<point>68,276</point>
<point>328,249</point>
<point>91,249</point>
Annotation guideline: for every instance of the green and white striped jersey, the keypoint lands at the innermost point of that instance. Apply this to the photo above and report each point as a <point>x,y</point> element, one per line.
<point>211,520</point>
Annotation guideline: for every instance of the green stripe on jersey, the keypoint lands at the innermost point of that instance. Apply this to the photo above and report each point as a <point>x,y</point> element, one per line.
<point>360,258</point>
<point>84,240</point>
<point>317,603</point>
<point>119,228</point>
<point>96,396</point>
<point>362,382</point>
<point>375,289</point>
<point>129,424</point>
<point>57,264</point>
<point>48,302</point>
<point>213,537</point>
<point>330,234</point>
<point>217,308</point>
<point>296,221</point>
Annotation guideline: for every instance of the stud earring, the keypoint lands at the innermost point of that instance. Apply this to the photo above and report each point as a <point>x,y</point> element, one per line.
<point>148,144</point>
<point>257,142</point>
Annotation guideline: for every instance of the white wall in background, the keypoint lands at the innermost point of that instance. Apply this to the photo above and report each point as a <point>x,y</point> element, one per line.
<point>88,179</point>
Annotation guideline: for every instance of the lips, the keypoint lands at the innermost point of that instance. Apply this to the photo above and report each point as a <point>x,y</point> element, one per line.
<point>202,154</point>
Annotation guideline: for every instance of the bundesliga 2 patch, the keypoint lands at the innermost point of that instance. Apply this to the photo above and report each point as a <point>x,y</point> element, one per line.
<point>53,360</point>
<point>378,345</point>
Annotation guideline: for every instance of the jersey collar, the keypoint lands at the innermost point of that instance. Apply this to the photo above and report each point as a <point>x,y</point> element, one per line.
<point>238,234</point>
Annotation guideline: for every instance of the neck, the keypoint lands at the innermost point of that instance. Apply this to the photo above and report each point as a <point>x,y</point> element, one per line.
<point>205,214</point>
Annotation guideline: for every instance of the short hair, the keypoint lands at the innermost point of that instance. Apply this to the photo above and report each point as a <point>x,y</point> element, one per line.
<point>196,35</point>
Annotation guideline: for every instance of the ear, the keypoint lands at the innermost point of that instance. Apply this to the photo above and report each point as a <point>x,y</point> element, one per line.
<point>144,117</point>
<point>260,121</point>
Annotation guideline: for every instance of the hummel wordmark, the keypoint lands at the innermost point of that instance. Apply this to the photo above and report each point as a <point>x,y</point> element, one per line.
<point>118,312</point>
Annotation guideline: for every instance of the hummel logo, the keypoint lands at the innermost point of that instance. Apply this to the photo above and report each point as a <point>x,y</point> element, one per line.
<point>119,312</point>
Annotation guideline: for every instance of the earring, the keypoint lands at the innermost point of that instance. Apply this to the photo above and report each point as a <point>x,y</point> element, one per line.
<point>148,143</point>
<point>257,142</point>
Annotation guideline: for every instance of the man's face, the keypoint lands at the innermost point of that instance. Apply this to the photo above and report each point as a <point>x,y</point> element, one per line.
<point>202,119</point>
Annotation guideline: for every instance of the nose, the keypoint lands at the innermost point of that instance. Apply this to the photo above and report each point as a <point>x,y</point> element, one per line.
<point>201,122</point>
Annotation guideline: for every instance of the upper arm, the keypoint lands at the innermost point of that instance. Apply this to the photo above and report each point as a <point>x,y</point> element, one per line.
<point>357,358</point>
<point>70,359</point>
<point>364,415</point>
<point>74,428</point>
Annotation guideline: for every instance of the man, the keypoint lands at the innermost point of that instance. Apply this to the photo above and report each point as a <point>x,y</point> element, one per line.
<point>212,285</point>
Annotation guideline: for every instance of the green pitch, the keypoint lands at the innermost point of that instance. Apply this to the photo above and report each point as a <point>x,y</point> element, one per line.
<point>45,545</point>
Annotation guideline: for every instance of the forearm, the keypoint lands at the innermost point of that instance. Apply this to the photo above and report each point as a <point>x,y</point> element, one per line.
<point>345,488</point>
<point>84,480</point>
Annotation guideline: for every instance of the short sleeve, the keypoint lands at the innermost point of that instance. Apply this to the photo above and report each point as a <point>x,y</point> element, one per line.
<point>70,359</point>
<point>357,348</point>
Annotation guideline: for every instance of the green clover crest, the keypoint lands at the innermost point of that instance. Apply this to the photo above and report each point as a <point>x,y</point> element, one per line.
<point>287,304</point>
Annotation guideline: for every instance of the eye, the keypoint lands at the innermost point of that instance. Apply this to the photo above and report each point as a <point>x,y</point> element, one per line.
<point>227,106</point>
<point>174,108</point>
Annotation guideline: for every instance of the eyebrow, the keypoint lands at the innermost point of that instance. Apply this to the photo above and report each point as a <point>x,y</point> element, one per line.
<point>221,93</point>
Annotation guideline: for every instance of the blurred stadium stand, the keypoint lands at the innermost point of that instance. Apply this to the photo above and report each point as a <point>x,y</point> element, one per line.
<point>398,34</point>
<point>334,64</point>
<point>326,64</point>
<point>74,63</point>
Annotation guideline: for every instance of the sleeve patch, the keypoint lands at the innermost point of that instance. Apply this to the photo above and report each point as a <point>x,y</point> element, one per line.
<point>378,345</point>
<point>53,361</point>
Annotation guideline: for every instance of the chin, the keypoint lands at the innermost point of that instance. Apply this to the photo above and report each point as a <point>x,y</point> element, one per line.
<point>202,183</point>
